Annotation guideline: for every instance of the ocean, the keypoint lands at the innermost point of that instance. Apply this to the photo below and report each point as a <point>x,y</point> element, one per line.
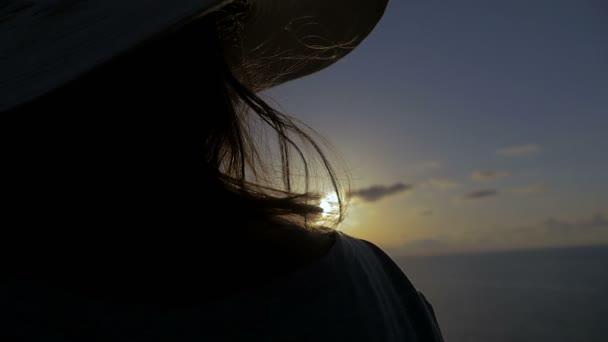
<point>534,295</point>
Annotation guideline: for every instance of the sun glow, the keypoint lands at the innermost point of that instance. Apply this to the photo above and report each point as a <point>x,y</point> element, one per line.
<point>330,206</point>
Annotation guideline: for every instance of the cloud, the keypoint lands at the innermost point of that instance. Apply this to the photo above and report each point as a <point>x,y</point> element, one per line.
<point>519,150</point>
<point>481,194</point>
<point>597,221</point>
<point>530,189</point>
<point>427,165</point>
<point>595,226</point>
<point>426,212</point>
<point>443,183</point>
<point>489,175</point>
<point>425,244</point>
<point>378,192</point>
<point>422,246</point>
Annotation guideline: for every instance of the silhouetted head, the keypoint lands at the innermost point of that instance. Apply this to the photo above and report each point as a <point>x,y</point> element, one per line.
<point>147,159</point>
<point>163,139</point>
<point>150,132</point>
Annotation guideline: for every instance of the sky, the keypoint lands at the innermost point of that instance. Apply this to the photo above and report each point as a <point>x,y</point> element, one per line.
<point>470,125</point>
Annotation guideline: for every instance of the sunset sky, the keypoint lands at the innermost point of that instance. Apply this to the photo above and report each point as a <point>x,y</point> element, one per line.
<point>471,125</point>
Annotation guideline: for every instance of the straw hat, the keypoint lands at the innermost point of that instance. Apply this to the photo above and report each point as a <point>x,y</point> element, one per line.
<point>46,43</point>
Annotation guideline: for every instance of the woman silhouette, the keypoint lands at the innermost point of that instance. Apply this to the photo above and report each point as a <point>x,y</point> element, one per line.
<point>139,202</point>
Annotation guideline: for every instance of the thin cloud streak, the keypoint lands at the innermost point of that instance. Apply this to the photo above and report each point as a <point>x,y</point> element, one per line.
<point>442,183</point>
<point>519,150</point>
<point>481,194</point>
<point>426,212</point>
<point>427,165</point>
<point>530,190</point>
<point>551,229</point>
<point>377,192</point>
<point>596,222</point>
<point>489,175</point>
<point>425,244</point>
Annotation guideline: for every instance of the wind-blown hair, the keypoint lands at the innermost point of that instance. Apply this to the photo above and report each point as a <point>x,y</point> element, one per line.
<point>171,99</point>
<point>236,151</point>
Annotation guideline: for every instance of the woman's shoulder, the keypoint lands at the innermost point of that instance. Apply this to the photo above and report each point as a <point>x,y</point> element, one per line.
<point>389,284</point>
<point>362,250</point>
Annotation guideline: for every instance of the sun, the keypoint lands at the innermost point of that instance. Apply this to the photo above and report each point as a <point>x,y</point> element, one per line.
<point>331,208</point>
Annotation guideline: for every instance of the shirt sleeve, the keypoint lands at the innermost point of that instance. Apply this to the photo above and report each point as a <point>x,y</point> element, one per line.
<point>419,309</point>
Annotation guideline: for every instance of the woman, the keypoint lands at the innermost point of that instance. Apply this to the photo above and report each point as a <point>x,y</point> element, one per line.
<point>141,205</point>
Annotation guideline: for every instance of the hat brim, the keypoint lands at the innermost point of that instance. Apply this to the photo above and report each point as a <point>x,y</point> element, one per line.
<point>288,39</point>
<point>46,44</point>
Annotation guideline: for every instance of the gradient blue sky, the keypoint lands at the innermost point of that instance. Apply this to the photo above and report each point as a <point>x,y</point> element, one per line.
<point>434,94</point>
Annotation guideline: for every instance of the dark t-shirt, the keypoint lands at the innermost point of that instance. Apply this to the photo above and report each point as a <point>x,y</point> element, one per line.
<point>355,292</point>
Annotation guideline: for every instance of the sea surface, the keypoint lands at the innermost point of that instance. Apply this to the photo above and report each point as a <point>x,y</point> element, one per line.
<point>549,295</point>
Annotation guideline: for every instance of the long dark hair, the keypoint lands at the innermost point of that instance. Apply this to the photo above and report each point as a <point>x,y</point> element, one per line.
<point>235,150</point>
<point>179,81</point>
